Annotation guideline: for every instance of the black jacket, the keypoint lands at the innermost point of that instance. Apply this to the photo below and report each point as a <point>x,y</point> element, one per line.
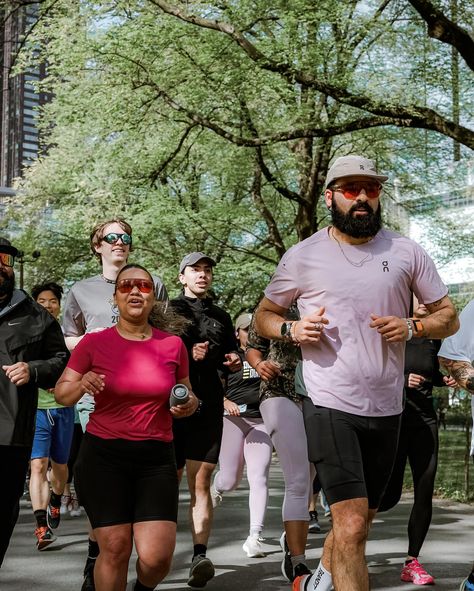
<point>208,323</point>
<point>28,333</point>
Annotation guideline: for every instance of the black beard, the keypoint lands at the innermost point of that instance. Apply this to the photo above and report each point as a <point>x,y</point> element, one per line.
<point>7,285</point>
<point>357,226</point>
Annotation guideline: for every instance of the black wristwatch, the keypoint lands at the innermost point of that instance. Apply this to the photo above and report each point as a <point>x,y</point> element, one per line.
<point>285,331</point>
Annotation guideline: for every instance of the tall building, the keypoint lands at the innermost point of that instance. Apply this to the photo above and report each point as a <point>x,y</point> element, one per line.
<point>20,140</point>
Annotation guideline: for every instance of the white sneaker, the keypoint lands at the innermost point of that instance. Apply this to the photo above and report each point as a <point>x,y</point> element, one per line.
<point>216,497</point>
<point>75,510</point>
<point>65,500</point>
<point>253,547</point>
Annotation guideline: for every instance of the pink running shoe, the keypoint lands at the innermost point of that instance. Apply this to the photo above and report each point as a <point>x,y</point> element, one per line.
<point>413,572</point>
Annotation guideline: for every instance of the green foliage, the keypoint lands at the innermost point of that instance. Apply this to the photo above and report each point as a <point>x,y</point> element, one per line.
<point>154,117</point>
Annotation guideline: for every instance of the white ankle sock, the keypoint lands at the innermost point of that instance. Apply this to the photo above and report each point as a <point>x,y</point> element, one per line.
<point>321,579</point>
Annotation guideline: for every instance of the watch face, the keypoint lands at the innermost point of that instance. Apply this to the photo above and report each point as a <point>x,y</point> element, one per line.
<point>285,329</point>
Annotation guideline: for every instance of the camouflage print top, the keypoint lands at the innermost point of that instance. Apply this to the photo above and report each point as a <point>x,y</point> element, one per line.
<point>284,353</point>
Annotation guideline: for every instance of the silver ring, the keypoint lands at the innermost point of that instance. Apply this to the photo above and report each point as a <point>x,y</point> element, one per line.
<point>318,326</point>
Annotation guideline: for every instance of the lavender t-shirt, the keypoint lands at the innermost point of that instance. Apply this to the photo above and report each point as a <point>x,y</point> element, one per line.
<point>352,368</point>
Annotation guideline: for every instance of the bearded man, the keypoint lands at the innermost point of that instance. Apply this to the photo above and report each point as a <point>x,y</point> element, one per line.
<point>32,354</point>
<point>353,283</point>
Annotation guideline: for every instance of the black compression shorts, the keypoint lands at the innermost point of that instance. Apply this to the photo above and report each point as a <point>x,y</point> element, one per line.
<point>120,481</point>
<point>353,455</point>
<point>197,438</point>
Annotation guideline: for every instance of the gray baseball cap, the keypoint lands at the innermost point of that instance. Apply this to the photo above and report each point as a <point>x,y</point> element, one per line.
<point>194,257</point>
<point>353,165</point>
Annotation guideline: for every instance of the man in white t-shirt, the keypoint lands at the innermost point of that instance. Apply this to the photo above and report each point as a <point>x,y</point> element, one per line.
<point>353,283</point>
<point>456,356</point>
<point>90,307</point>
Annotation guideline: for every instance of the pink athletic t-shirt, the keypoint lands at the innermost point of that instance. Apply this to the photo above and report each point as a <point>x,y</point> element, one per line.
<point>353,368</point>
<point>138,379</point>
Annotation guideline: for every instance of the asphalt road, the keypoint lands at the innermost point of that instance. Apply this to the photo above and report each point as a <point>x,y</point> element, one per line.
<point>447,553</point>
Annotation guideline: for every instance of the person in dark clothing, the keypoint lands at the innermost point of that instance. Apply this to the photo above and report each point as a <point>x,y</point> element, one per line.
<point>212,350</point>
<point>418,444</point>
<point>32,354</point>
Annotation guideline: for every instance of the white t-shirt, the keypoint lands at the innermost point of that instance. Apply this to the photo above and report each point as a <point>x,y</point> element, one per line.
<point>353,368</point>
<point>460,346</point>
<point>90,305</point>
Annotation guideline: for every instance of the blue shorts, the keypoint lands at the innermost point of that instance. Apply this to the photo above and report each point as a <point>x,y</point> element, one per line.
<point>53,434</point>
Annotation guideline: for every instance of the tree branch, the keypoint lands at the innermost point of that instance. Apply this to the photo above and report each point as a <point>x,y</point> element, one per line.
<point>389,114</point>
<point>445,30</point>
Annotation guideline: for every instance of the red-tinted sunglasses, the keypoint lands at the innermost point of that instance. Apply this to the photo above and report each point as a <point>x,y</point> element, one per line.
<point>126,285</point>
<point>353,189</point>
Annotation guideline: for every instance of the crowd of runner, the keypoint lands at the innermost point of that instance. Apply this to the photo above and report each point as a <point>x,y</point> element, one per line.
<point>333,372</point>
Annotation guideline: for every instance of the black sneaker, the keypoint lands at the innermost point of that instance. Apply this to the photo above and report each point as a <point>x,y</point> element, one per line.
<point>201,571</point>
<point>53,516</point>
<point>314,526</point>
<point>301,569</point>
<point>286,566</point>
<point>88,583</point>
<point>44,537</point>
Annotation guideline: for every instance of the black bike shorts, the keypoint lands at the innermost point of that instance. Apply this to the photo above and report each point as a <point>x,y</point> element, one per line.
<point>197,438</point>
<point>120,481</point>
<point>353,455</point>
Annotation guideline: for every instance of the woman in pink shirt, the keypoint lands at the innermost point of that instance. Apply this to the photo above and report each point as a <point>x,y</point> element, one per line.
<point>127,448</point>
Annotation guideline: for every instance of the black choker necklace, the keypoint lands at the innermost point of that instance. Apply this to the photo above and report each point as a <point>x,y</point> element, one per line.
<point>108,280</point>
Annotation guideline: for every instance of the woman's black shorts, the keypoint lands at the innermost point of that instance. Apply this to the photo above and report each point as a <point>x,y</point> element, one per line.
<point>120,481</point>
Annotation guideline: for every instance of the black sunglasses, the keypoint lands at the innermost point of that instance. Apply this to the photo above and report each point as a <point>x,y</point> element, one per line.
<point>114,237</point>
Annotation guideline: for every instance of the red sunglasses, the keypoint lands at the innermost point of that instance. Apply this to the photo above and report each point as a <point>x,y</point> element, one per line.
<point>126,285</point>
<point>353,189</point>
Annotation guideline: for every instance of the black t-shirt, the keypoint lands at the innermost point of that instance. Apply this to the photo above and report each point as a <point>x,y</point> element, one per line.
<point>421,357</point>
<point>243,387</point>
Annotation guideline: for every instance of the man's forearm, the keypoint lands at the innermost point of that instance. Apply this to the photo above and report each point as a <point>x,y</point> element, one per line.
<point>461,371</point>
<point>443,320</point>
<point>268,324</point>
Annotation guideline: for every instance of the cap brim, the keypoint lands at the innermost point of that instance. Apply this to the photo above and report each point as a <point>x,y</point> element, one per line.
<point>379,177</point>
<point>9,249</point>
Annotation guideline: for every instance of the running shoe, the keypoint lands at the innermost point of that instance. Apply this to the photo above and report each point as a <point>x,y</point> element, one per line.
<point>286,566</point>
<point>253,547</point>
<point>466,585</point>
<point>88,582</point>
<point>75,510</point>
<point>54,516</point>
<point>44,537</point>
<point>413,572</point>
<point>314,526</point>
<point>216,497</point>
<point>201,571</point>
<point>65,500</point>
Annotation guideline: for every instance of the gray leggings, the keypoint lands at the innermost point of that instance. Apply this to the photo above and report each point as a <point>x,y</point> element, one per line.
<point>245,440</point>
<point>283,419</point>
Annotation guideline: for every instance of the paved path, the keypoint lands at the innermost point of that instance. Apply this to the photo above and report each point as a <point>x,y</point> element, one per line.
<point>447,553</point>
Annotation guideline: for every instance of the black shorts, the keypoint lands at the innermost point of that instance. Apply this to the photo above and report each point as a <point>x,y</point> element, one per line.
<point>120,481</point>
<point>353,455</point>
<point>197,438</point>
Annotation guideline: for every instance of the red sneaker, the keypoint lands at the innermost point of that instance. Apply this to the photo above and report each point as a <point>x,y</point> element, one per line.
<point>53,516</point>
<point>44,537</point>
<point>413,572</point>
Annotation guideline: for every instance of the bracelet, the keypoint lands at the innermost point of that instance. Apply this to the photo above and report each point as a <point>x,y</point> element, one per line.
<point>293,336</point>
<point>418,327</point>
<point>410,329</point>
<point>256,365</point>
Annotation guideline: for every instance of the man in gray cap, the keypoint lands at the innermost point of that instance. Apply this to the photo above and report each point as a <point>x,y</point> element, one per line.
<point>212,349</point>
<point>33,354</point>
<point>353,283</point>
